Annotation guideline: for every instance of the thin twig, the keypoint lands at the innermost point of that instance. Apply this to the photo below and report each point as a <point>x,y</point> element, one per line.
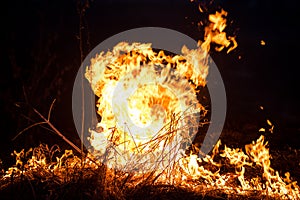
<point>27,128</point>
<point>50,109</point>
<point>57,131</point>
<point>29,119</point>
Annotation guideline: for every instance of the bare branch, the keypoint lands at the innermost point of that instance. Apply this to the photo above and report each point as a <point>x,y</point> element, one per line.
<point>50,109</point>
<point>58,132</point>
<point>27,128</point>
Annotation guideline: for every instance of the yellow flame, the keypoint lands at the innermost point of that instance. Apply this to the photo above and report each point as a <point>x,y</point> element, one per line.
<point>157,96</point>
<point>257,154</point>
<point>271,129</point>
<point>151,92</point>
<point>262,130</point>
<point>269,122</point>
<point>214,33</point>
<point>158,105</point>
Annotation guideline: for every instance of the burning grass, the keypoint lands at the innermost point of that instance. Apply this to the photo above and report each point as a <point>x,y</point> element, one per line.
<point>227,173</point>
<point>142,93</point>
<point>147,166</point>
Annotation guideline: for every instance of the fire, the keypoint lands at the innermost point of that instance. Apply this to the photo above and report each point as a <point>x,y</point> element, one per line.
<point>256,154</point>
<point>144,94</point>
<point>189,172</point>
<point>147,101</point>
<point>140,97</point>
<point>214,33</point>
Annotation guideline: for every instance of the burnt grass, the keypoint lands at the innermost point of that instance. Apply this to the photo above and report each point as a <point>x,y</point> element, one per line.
<point>88,184</point>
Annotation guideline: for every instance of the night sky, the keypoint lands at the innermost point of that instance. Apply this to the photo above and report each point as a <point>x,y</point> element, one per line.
<point>40,57</point>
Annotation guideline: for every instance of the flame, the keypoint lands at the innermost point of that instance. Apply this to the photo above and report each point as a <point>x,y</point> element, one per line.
<point>262,130</point>
<point>153,91</point>
<point>256,154</point>
<point>214,33</point>
<point>160,108</point>
<point>189,172</point>
<point>151,96</point>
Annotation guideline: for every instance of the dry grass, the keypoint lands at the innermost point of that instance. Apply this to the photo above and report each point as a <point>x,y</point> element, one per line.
<point>49,173</point>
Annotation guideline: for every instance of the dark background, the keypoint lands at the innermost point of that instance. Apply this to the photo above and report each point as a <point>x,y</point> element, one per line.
<point>40,56</point>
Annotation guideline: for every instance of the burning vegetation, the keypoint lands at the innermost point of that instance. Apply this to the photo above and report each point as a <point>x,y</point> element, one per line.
<point>227,172</point>
<point>152,161</point>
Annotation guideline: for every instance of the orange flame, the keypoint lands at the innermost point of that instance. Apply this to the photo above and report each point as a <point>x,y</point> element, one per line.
<point>162,113</point>
<point>150,106</point>
<point>214,33</point>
